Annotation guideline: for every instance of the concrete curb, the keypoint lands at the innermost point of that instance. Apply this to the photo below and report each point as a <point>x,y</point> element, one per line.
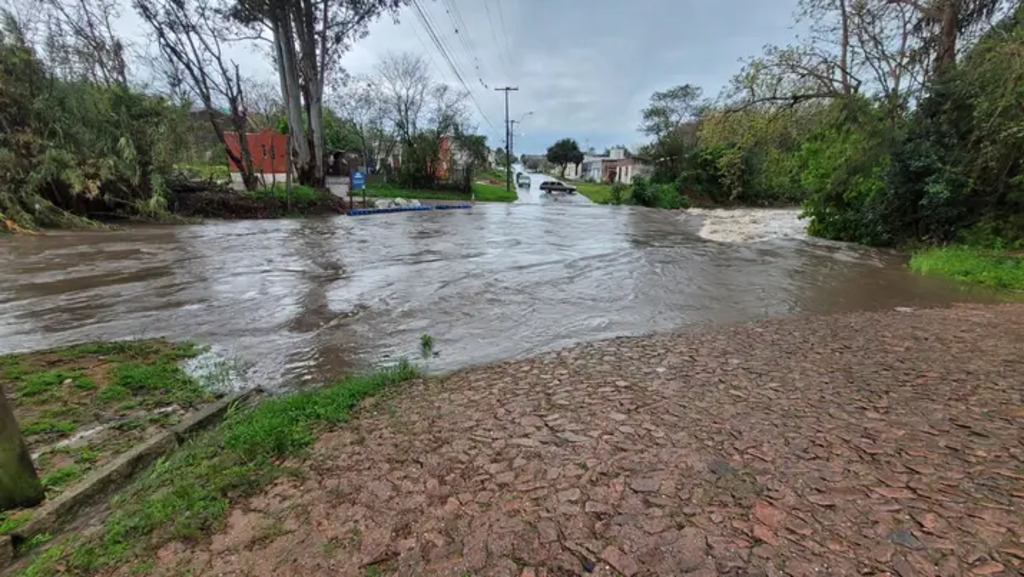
<point>103,482</point>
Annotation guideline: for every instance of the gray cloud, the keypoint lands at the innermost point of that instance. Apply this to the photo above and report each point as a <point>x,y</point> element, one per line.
<point>585,68</point>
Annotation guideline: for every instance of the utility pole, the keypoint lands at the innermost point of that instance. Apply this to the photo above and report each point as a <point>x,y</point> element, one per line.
<point>508,139</point>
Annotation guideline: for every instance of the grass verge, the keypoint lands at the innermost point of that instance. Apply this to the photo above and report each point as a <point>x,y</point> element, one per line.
<point>601,193</point>
<point>482,192</point>
<point>188,494</point>
<point>116,390</point>
<point>997,269</point>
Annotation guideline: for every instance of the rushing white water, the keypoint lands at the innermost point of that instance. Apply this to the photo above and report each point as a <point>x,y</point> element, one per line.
<point>744,225</point>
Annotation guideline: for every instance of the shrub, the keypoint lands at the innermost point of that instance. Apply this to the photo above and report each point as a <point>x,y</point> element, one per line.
<point>667,196</point>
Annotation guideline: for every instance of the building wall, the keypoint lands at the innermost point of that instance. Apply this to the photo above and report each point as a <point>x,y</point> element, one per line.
<point>269,151</point>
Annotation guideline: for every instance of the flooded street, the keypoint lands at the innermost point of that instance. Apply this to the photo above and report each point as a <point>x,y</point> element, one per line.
<point>305,300</point>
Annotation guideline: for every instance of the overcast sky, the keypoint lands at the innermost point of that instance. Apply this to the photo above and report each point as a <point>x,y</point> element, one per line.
<point>585,68</point>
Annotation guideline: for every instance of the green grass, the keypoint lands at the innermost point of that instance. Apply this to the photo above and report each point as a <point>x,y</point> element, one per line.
<point>61,477</point>
<point>38,383</point>
<point>162,376</point>
<point>996,269</point>
<point>481,192</point>
<point>48,425</point>
<point>188,493</point>
<point>216,172</point>
<point>11,520</point>
<point>491,193</point>
<point>299,195</point>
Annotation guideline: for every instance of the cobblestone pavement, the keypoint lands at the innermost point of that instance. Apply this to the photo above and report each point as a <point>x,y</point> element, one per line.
<point>876,443</point>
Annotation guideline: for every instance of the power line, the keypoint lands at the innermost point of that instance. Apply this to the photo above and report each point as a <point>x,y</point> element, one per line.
<point>494,32</point>
<point>447,57</point>
<point>504,32</point>
<point>462,32</point>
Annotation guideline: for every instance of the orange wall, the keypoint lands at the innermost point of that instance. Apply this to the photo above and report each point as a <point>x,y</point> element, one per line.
<point>269,151</point>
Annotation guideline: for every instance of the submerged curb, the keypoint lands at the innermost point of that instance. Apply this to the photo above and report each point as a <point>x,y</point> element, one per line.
<point>101,483</point>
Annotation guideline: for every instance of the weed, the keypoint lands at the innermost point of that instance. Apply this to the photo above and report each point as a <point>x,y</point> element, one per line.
<point>272,530</point>
<point>282,426</point>
<point>62,477</point>
<point>164,377</point>
<point>142,568</point>
<point>86,455</point>
<point>48,425</point>
<point>38,383</point>
<point>35,542</point>
<point>85,384</point>
<point>113,394</point>
<point>9,521</point>
<point>129,424</point>
<point>426,345</point>
<point>45,564</point>
<point>10,367</point>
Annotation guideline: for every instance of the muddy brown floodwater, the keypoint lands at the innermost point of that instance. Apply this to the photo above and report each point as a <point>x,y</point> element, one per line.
<point>300,301</point>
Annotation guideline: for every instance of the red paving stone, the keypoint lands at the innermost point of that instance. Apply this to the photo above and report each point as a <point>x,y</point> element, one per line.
<point>864,444</point>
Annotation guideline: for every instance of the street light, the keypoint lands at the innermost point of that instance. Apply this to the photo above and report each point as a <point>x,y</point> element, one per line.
<point>512,131</point>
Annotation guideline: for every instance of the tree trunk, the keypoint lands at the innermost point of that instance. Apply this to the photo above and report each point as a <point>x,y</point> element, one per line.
<point>290,89</point>
<point>844,50</point>
<point>316,133</point>
<point>19,485</point>
<point>945,53</point>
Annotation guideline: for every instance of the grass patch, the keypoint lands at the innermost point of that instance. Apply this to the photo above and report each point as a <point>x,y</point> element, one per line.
<point>601,193</point>
<point>491,193</point>
<point>62,477</point>
<point>997,269</point>
<point>11,520</point>
<point>163,377</point>
<point>298,195</point>
<point>48,425</point>
<point>481,192</point>
<point>57,393</point>
<point>36,384</point>
<point>188,493</point>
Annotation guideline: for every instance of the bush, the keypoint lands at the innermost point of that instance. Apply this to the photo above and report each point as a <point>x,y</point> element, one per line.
<point>646,193</point>
<point>618,193</point>
<point>299,196</point>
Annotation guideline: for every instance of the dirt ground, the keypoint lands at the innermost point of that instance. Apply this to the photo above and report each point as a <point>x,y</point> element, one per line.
<point>875,443</point>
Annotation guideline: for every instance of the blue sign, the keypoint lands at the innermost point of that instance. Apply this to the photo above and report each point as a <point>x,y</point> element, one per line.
<point>358,181</point>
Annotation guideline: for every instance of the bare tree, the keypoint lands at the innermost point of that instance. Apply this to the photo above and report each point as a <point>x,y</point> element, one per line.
<point>188,33</point>
<point>308,38</point>
<point>265,106</point>
<point>404,83</point>
<point>80,40</point>
<point>361,107</point>
<point>944,22</point>
<point>19,485</point>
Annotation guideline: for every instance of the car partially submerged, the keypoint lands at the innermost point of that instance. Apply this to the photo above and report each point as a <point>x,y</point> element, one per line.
<point>557,187</point>
<point>522,180</point>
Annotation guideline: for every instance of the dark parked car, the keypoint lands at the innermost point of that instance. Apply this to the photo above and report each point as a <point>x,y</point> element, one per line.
<point>550,186</point>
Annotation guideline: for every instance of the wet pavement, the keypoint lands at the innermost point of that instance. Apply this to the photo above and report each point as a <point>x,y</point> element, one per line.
<point>306,300</point>
<point>884,444</point>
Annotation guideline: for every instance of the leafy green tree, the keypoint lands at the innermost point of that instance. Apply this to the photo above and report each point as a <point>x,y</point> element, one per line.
<point>563,152</point>
<point>669,109</point>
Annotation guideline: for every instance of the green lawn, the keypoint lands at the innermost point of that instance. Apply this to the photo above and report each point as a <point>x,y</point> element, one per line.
<point>492,193</point>
<point>996,269</point>
<point>482,192</point>
<point>599,192</point>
